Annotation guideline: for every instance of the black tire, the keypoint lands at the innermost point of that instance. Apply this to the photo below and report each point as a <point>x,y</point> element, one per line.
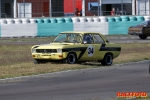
<point>37,61</point>
<point>142,36</point>
<point>71,58</point>
<point>108,60</point>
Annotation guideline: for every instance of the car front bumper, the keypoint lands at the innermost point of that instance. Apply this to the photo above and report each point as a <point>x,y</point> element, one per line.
<point>48,56</point>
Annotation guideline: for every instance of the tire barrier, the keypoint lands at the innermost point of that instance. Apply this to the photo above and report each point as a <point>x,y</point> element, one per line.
<point>124,18</point>
<point>96,19</point>
<point>53,20</point>
<point>118,19</point>
<point>89,19</point>
<point>10,21</point>
<point>132,18</point>
<point>25,21</point>
<point>111,19</point>
<point>43,26</point>
<point>60,20</point>
<point>40,21</point>
<point>68,20</point>
<point>47,20</point>
<point>122,23</point>
<point>75,20</point>
<point>19,21</point>
<point>147,18</point>
<point>103,19</point>
<point>82,19</point>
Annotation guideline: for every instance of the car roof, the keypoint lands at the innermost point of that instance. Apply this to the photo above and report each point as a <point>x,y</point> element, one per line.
<point>77,32</point>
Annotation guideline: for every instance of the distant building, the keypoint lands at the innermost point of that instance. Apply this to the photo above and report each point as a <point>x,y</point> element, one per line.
<point>55,8</point>
<point>24,8</point>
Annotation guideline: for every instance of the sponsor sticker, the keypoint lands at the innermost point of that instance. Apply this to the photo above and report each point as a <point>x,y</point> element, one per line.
<point>90,51</point>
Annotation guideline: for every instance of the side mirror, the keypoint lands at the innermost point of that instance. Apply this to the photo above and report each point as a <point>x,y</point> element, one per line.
<point>85,42</point>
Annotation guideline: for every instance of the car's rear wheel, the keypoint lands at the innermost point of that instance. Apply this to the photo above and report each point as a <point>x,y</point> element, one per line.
<point>142,36</point>
<point>108,60</point>
<point>36,61</point>
<point>71,58</point>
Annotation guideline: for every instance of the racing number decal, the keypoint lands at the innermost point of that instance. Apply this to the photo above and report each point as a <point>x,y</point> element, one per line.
<point>90,51</point>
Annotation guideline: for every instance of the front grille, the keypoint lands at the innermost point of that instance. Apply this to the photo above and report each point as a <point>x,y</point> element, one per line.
<point>46,50</point>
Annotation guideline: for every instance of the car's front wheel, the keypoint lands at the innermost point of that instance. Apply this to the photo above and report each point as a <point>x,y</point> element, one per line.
<point>71,58</point>
<point>108,60</point>
<point>37,61</point>
<point>142,36</point>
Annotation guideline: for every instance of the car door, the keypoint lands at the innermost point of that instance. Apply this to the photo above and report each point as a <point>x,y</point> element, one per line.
<point>89,43</point>
<point>98,44</point>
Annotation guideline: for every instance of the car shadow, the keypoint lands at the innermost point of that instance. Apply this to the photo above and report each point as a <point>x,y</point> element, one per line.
<point>91,64</point>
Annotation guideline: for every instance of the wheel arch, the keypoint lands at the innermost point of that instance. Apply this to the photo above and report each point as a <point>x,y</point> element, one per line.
<point>73,53</point>
<point>107,60</point>
<point>67,59</point>
<point>109,53</point>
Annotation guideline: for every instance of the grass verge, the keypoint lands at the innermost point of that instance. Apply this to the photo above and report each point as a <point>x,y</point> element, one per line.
<point>16,60</point>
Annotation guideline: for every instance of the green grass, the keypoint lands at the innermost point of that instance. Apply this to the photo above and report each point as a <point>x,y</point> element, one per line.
<point>16,60</point>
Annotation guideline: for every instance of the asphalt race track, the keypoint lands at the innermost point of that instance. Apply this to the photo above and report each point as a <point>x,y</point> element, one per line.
<point>100,83</point>
<point>113,39</point>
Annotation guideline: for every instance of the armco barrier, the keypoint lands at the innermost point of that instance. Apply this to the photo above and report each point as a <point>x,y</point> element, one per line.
<point>19,27</point>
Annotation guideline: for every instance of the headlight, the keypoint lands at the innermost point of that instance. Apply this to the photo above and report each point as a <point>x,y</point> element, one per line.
<point>33,50</point>
<point>59,50</point>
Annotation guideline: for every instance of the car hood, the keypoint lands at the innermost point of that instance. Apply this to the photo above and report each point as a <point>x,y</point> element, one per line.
<point>52,45</point>
<point>137,26</point>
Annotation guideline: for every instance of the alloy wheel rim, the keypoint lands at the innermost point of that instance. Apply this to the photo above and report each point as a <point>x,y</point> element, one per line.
<point>109,59</point>
<point>71,58</point>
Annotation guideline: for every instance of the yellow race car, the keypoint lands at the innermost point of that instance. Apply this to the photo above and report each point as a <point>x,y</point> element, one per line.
<point>71,47</point>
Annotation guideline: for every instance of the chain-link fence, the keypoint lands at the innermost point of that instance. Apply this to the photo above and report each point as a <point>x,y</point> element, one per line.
<point>92,8</point>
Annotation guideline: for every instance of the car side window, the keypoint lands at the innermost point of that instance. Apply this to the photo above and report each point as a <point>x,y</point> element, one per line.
<point>88,38</point>
<point>148,23</point>
<point>98,39</point>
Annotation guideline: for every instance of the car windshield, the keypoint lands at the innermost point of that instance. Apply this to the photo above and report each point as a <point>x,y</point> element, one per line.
<point>144,23</point>
<point>68,37</point>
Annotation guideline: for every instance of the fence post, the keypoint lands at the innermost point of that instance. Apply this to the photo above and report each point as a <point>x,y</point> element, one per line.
<point>83,7</point>
<point>122,6</point>
<point>24,7</point>
<point>50,8</point>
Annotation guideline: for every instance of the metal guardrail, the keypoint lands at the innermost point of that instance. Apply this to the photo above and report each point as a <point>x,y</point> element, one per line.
<point>105,13</point>
<point>40,14</point>
<point>95,13</point>
<point>62,14</point>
